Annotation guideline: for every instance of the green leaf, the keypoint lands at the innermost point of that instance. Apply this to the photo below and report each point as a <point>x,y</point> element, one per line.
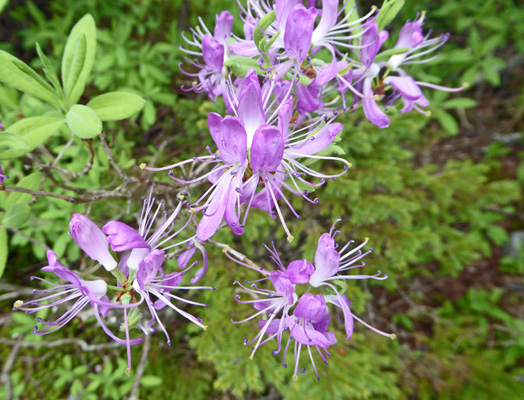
<point>83,122</point>
<point>262,25</point>
<point>239,65</point>
<point>49,71</point>
<point>73,64</point>
<point>12,141</point>
<point>3,250</point>
<point>448,122</point>
<point>17,215</point>
<point>303,79</point>
<point>20,76</point>
<point>460,102</point>
<point>31,182</point>
<point>150,381</point>
<point>389,10</point>
<point>35,131</point>
<point>116,105</point>
<point>86,29</point>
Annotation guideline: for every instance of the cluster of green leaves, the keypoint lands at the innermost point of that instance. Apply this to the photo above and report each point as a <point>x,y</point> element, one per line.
<point>61,96</point>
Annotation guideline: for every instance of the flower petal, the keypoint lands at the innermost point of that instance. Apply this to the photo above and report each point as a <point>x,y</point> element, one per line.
<point>311,307</point>
<point>299,271</point>
<point>317,142</point>
<point>223,27</point>
<point>373,112</point>
<point>213,53</point>
<point>122,237</point>
<point>90,238</point>
<point>267,149</point>
<point>299,31</point>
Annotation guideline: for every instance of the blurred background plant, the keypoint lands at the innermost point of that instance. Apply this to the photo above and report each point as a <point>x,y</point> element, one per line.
<point>440,197</point>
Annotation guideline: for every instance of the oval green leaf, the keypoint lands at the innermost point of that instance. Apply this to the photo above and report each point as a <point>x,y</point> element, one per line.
<point>116,105</point>
<point>35,131</point>
<point>83,122</point>
<point>16,216</point>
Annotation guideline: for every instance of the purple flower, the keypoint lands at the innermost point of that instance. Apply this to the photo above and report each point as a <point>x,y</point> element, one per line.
<point>80,291</point>
<point>141,241</point>
<point>258,157</point>
<point>306,318</point>
<point>90,238</point>
<point>155,286</point>
<point>275,302</point>
<point>212,48</point>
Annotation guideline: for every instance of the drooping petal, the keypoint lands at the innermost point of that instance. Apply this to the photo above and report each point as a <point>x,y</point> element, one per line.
<point>317,142</point>
<point>343,303</point>
<point>267,149</point>
<point>299,271</point>
<point>232,212</point>
<point>90,238</point>
<point>311,307</point>
<point>122,237</point>
<point>373,112</point>
<point>406,86</point>
<point>299,30</point>
<point>308,335</point>
<point>309,99</point>
<point>214,214</point>
<point>57,268</point>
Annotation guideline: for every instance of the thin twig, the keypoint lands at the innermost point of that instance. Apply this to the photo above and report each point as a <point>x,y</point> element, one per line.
<point>117,168</point>
<point>141,368</point>
<point>61,154</point>
<point>238,255</point>
<point>5,378</point>
<point>31,239</point>
<point>63,342</point>
<point>70,199</point>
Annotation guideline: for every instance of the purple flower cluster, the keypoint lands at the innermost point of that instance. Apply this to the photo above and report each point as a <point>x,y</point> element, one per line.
<point>283,83</point>
<point>292,305</point>
<point>140,274</point>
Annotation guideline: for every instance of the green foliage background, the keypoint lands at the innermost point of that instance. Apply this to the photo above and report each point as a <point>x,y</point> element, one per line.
<point>437,196</point>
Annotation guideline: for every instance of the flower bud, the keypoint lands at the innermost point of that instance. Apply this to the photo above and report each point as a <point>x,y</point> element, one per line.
<point>90,238</point>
